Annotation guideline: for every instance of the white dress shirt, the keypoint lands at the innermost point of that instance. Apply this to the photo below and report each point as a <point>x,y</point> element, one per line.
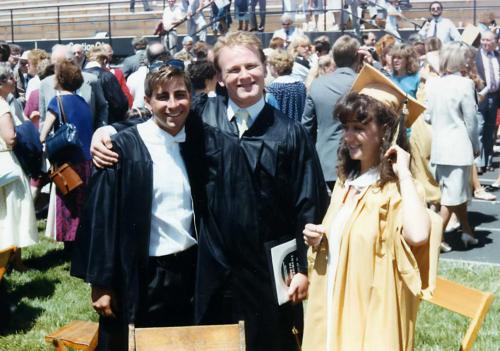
<point>172,208</point>
<point>172,14</point>
<point>487,75</point>
<point>135,84</point>
<point>253,110</point>
<point>446,30</point>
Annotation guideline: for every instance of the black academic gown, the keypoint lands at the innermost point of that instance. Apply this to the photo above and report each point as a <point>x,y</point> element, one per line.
<point>112,245</point>
<point>262,187</point>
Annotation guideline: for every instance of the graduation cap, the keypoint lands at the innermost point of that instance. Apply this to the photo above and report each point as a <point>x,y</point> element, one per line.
<point>470,35</point>
<point>375,84</point>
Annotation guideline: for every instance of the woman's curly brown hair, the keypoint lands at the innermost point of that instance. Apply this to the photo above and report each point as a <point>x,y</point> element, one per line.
<point>363,109</point>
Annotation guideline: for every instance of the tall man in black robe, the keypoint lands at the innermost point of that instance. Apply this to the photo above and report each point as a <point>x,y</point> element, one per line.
<point>264,183</point>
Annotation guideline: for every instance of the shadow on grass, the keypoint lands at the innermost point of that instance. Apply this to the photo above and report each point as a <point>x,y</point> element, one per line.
<point>23,318</point>
<point>49,260</point>
<point>22,315</point>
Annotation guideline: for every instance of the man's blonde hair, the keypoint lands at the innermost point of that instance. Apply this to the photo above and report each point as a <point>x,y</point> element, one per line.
<point>240,38</point>
<point>97,53</point>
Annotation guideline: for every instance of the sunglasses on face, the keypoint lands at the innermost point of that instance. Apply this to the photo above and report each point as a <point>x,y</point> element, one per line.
<point>435,8</point>
<point>174,63</point>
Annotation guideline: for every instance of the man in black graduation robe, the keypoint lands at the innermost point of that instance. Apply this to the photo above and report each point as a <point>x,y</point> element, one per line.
<point>112,245</point>
<point>263,186</point>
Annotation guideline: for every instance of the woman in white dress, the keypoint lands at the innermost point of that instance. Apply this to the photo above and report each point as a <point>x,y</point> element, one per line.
<point>17,213</point>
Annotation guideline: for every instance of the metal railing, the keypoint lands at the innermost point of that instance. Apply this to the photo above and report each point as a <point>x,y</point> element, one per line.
<point>109,16</point>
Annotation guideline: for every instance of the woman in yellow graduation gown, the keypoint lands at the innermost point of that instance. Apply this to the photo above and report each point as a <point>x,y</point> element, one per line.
<point>374,256</point>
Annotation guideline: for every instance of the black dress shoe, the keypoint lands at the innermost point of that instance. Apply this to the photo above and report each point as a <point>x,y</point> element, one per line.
<point>490,169</point>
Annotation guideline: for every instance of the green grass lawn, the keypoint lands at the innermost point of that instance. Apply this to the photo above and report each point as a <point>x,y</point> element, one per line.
<point>47,298</point>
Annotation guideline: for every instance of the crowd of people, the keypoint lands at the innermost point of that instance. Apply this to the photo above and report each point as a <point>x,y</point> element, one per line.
<point>359,152</point>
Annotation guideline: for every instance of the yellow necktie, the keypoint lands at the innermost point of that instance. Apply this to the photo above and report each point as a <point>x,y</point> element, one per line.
<point>242,121</point>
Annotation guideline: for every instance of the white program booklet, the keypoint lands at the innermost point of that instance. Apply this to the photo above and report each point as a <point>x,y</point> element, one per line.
<point>284,263</point>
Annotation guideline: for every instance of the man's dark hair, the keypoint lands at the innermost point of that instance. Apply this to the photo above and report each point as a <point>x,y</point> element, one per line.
<point>139,43</point>
<point>322,47</point>
<point>4,51</point>
<point>14,48</point>
<point>200,50</point>
<point>199,71</point>
<point>156,51</point>
<point>434,3</point>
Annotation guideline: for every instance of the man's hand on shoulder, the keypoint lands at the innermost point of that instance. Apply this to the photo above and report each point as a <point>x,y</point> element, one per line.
<point>100,148</point>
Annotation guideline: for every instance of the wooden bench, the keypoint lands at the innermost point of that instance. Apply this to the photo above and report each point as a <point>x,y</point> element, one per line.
<point>466,301</point>
<point>5,256</point>
<point>228,337</point>
<point>79,335</point>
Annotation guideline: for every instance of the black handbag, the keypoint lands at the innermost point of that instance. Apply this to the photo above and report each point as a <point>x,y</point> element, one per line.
<point>64,138</point>
<point>28,149</point>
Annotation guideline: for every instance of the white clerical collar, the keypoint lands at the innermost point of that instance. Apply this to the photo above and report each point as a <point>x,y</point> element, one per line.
<point>253,110</point>
<point>362,181</point>
<point>164,136</point>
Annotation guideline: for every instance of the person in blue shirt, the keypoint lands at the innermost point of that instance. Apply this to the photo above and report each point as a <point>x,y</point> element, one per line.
<point>405,68</point>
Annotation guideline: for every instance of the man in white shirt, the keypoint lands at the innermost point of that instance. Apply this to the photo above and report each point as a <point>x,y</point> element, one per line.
<point>488,68</point>
<point>135,82</point>
<point>437,26</point>
<point>137,242</point>
<point>172,15</point>
<point>288,30</point>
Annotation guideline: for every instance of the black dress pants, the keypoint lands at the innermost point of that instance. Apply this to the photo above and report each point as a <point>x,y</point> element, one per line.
<point>168,300</point>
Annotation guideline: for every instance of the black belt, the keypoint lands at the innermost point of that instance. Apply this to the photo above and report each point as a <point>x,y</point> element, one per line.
<point>180,256</point>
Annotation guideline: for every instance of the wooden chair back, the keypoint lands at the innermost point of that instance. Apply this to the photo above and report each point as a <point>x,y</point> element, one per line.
<point>77,335</point>
<point>466,301</point>
<point>5,255</point>
<point>229,337</point>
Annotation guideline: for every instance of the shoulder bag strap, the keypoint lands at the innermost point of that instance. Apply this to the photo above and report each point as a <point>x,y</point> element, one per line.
<point>62,115</point>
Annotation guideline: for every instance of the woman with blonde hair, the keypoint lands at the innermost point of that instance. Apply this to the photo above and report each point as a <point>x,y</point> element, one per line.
<point>324,65</point>
<point>301,49</point>
<point>289,91</point>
